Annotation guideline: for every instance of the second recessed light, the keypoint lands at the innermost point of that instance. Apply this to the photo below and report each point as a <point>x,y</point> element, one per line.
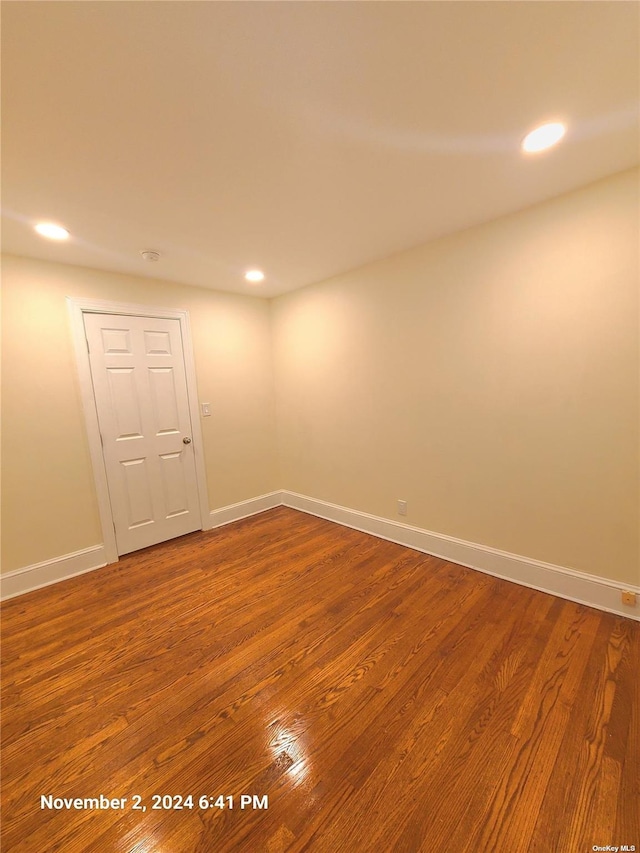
<point>543,137</point>
<point>254,275</point>
<point>53,232</point>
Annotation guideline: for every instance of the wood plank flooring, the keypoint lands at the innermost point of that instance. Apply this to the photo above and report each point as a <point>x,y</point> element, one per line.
<point>382,700</point>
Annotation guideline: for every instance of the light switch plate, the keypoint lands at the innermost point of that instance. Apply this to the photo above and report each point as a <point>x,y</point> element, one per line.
<point>205,408</point>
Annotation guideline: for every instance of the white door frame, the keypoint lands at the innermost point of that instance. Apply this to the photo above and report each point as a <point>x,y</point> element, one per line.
<point>77,308</point>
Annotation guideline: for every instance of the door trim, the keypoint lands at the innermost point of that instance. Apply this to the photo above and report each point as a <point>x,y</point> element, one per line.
<point>77,308</point>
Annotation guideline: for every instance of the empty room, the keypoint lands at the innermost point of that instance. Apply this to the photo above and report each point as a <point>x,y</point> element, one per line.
<point>320,427</point>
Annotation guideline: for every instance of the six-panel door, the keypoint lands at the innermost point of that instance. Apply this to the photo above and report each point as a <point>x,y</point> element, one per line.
<point>140,388</point>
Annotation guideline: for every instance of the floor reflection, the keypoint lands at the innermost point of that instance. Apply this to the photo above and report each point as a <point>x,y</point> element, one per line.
<point>289,747</point>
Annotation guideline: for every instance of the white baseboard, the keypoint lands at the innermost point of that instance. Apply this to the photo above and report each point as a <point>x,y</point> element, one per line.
<point>575,586</point>
<point>580,587</point>
<point>234,512</point>
<point>51,571</point>
<point>60,568</point>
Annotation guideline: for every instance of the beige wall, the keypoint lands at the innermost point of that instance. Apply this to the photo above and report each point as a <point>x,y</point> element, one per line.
<point>490,379</point>
<point>49,504</point>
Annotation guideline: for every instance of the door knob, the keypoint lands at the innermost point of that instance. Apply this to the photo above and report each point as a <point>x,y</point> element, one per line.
<point>186,440</point>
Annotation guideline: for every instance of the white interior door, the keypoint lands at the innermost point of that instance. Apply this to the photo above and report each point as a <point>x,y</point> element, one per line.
<point>140,388</point>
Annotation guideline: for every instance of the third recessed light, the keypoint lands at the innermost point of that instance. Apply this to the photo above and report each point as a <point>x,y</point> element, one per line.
<point>543,137</point>
<point>51,231</point>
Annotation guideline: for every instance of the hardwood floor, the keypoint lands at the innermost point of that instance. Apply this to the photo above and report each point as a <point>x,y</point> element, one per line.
<point>382,700</point>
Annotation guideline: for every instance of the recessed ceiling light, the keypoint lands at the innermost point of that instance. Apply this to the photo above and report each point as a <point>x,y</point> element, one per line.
<point>543,137</point>
<point>254,275</point>
<point>53,232</point>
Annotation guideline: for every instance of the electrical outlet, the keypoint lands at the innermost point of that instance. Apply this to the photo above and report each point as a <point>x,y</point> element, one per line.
<point>402,507</point>
<point>629,598</point>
